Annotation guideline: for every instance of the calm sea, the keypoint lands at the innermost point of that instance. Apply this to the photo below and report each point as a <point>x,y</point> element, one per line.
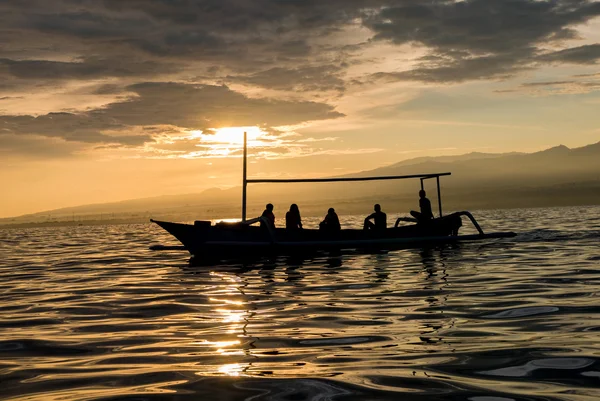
<point>90,313</point>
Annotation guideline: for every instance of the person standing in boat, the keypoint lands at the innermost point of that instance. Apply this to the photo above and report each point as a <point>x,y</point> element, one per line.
<point>331,223</point>
<point>379,218</point>
<point>426,214</point>
<point>268,213</point>
<point>292,218</point>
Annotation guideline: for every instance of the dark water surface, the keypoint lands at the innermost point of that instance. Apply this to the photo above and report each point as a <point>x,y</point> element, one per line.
<point>89,313</point>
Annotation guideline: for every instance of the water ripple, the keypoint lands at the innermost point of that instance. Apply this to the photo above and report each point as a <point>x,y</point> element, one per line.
<point>92,314</point>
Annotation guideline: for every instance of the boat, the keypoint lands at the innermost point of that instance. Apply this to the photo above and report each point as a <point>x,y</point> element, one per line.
<point>205,240</point>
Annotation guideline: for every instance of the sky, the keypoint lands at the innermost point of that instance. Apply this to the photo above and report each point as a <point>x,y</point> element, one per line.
<point>107,100</point>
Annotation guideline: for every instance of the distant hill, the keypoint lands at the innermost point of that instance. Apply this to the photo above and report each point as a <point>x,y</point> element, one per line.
<point>444,159</point>
<point>558,176</point>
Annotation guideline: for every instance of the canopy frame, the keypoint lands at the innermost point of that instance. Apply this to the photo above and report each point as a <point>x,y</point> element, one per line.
<point>246,181</point>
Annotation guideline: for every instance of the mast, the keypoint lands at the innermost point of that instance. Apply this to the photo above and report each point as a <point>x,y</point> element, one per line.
<point>439,194</point>
<point>244,180</point>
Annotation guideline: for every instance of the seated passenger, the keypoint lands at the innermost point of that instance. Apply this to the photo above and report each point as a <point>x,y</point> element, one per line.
<point>331,222</point>
<point>426,214</point>
<point>378,217</point>
<point>292,218</point>
<point>268,213</point>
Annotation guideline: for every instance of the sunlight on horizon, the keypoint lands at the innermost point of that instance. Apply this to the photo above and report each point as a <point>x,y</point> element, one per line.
<point>229,141</point>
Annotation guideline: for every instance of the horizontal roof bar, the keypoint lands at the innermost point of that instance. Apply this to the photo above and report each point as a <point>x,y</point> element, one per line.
<point>388,177</point>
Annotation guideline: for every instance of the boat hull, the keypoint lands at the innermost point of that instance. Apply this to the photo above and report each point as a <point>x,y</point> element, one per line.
<point>236,240</point>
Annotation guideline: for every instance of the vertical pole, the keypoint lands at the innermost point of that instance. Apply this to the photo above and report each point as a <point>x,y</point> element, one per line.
<point>244,183</point>
<point>439,194</point>
<point>422,187</point>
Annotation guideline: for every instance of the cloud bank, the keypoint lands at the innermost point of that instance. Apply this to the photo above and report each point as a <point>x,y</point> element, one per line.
<point>200,64</point>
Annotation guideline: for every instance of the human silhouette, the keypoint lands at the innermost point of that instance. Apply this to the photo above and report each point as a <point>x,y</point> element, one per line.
<point>425,214</point>
<point>292,218</point>
<point>268,213</point>
<point>379,218</point>
<point>331,222</point>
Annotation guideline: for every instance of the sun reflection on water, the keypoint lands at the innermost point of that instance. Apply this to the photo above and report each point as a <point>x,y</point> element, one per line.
<point>234,312</point>
<point>232,369</point>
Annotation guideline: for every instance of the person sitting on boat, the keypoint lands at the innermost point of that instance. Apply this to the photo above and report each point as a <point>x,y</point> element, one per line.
<point>426,214</point>
<point>268,213</point>
<point>331,222</point>
<point>292,218</point>
<point>379,218</point>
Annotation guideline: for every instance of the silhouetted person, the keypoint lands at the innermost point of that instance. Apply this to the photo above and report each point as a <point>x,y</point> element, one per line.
<point>268,213</point>
<point>292,218</point>
<point>379,218</point>
<point>331,222</point>
<point>426,214</point>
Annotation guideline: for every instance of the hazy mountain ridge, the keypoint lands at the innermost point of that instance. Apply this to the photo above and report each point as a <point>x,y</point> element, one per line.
<point>443,159</point>
<point>552,177</point>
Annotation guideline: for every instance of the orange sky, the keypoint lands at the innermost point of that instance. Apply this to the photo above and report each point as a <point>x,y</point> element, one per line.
<point>116,100</point>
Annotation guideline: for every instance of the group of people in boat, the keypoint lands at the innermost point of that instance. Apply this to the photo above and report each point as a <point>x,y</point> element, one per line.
<point>375,221</point>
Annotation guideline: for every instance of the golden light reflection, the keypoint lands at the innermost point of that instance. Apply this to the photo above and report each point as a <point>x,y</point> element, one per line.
<point>218,344</point>
<point>227,301</point>
<point>232,369</point>
<point>236,345</point>
<point>232,316</point>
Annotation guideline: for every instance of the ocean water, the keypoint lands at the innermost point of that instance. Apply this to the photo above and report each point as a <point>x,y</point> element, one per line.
<point>90,313</point>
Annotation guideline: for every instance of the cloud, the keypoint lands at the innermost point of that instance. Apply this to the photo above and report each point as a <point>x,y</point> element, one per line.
<point>305,78</point>
<point>588,54</point>
<point>188,107</point>
<point>87,68</point>
<point>481,26</point>
<point>83,127</point>
<point>573,86</point>
<point>35,147</point>
<point>198,107</point>
<point>452,69</point>
<point>483,39</point>
<point>285,45</point>
<point>546,83</point>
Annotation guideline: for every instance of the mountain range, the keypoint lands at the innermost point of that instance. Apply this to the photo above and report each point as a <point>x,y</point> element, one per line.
<point>558,176</point>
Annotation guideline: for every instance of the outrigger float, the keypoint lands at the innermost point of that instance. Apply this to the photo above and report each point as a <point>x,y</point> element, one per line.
<point>225,240</point>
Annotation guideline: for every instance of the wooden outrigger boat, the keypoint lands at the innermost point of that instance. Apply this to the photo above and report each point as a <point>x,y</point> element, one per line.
<point>226,240</point>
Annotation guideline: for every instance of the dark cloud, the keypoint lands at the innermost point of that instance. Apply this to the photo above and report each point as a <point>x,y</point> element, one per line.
<point>89,68</point>
<point>193,107</point>
<point>483,38</point>
<point>548,83</point>
<point>481,26</point>
<point>587,75</point>
<point>84,127</point>
<point>308,78</point>
<point>443,68</point>
<point>558,87</point>
<point>193,29</point>
<point>281,44</point>
<point>588,54</point>
<point>206,106</point>
<point>35,147</point>
<point>108,89</point>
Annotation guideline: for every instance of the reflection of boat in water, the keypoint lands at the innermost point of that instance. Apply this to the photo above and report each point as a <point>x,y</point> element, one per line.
<point>227,240</point>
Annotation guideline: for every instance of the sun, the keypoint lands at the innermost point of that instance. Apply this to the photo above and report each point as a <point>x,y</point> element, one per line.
<point>235,135</point>
<point>228,141</point>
